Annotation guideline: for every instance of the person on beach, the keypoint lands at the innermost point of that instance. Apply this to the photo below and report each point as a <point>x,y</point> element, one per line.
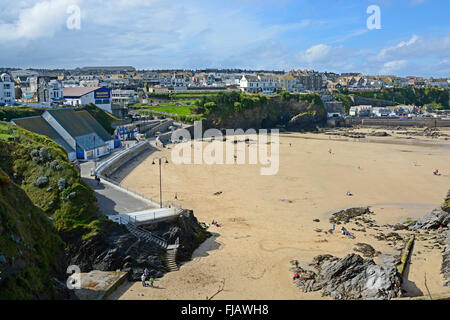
<point>296,276</point>
<point>146,273</point>
<point>144,284</point>
<point>330,151</point>
<point>436,172</point>
<point>333,227</point>
<point>176,196</point>
<point>151,281</point>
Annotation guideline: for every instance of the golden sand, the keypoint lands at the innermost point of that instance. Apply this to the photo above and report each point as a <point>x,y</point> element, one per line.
<point>268,220</point>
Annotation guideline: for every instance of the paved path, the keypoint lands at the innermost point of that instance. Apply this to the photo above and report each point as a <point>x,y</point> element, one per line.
<point>111,201</point>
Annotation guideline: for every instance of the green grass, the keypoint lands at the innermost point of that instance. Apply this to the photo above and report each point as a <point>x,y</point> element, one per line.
<point>180,110</point>
<point>5,131</point>
<point>37,247</point>
<point>8,113</point>
<point>68,214</point>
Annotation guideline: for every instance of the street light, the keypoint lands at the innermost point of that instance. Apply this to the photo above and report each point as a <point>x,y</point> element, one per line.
<point>160,185</point>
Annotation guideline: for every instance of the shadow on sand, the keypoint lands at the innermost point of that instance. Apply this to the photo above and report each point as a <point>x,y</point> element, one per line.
<point>409,287</point>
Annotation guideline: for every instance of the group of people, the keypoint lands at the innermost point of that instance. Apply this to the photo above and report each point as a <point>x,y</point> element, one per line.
<point>345,232</point>
<point>146,277</point>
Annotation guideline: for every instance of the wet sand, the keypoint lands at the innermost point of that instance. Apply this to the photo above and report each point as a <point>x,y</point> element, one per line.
<point>267,221</point>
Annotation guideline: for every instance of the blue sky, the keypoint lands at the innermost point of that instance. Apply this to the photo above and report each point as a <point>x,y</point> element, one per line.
<point>325,35</point>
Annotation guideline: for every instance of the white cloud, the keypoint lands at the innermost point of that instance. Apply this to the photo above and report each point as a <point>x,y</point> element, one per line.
<point>44,19</point>
<point>393,66</point>
<point>416,47</point>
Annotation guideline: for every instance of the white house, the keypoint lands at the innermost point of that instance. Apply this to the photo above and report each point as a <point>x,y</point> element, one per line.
<point>266,84</point>
<point>80,96</point>
<point>7,93</point>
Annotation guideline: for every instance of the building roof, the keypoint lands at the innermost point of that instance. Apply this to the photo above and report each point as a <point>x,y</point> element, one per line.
<point>78,91</point>
<point>79,124</point>
<point>40,126</point>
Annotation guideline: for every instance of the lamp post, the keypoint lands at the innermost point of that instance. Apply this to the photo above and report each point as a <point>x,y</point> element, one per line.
<point>160,184</point>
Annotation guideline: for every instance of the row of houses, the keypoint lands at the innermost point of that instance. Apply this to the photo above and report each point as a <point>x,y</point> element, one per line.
<point>393,111</point>
<point>77,132</point>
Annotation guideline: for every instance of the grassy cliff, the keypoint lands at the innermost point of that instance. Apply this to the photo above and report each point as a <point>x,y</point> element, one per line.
<point>30,248</point>
<point>42,169</point>
<point>43,185</point>
<point>238,110</point>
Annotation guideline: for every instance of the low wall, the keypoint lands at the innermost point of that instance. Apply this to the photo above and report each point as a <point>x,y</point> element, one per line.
<point>425,122</point>
<point>165,137</point>
<point>110,166</point>
<point>161,127</point>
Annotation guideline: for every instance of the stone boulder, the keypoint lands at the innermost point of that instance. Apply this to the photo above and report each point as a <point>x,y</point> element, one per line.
<point>351,277</point>
<point>41,181</point>
<point>434,219</point>
<point>62,184</point>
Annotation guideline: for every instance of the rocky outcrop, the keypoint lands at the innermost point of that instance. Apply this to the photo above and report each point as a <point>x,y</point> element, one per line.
<point>351,277</point>
<point>434,219</point>
<point>114,249</point>
<point>344,216</point>
<point>117,249</point>
<point>437,218</point>
<point>445,269</point>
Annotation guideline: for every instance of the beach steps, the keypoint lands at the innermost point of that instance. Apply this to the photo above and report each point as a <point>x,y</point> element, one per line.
<point>171,256</point>
<point>145,235</point>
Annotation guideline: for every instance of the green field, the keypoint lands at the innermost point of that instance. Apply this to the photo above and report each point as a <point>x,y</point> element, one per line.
<point>180,110</point>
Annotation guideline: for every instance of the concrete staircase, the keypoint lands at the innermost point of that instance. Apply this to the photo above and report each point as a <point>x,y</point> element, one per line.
<point>171,256</point>
<point>145,235</point>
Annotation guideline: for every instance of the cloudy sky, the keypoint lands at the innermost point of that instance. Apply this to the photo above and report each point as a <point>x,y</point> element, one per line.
<point>325,35</point>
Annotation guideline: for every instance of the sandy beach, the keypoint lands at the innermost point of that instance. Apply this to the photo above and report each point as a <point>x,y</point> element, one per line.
<point>267,221</point>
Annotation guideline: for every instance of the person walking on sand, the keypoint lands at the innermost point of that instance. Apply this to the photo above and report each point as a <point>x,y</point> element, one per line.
<point>144,284</point>
<point>176,196</point>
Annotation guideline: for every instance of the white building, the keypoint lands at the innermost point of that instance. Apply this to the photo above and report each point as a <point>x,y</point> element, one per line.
<point>360,111</point>
<point>7,93</point>
<point>80,96</point>
<point>381,112</point>
<point>265,84</point>
<point>76,131</point>
<point>123,97</point>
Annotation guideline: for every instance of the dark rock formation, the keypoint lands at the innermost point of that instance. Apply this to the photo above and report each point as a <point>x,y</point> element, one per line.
<point>366,249</point>
<point>351,277</point>
<point>434,219</point>
<point>116,248</point>
<point>344,216</point>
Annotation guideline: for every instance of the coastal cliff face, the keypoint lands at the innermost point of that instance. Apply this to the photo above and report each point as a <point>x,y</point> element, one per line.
<point>234,110</point>
<point>32,261</point>
<point>49,219</point>
<point>42,196</point>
